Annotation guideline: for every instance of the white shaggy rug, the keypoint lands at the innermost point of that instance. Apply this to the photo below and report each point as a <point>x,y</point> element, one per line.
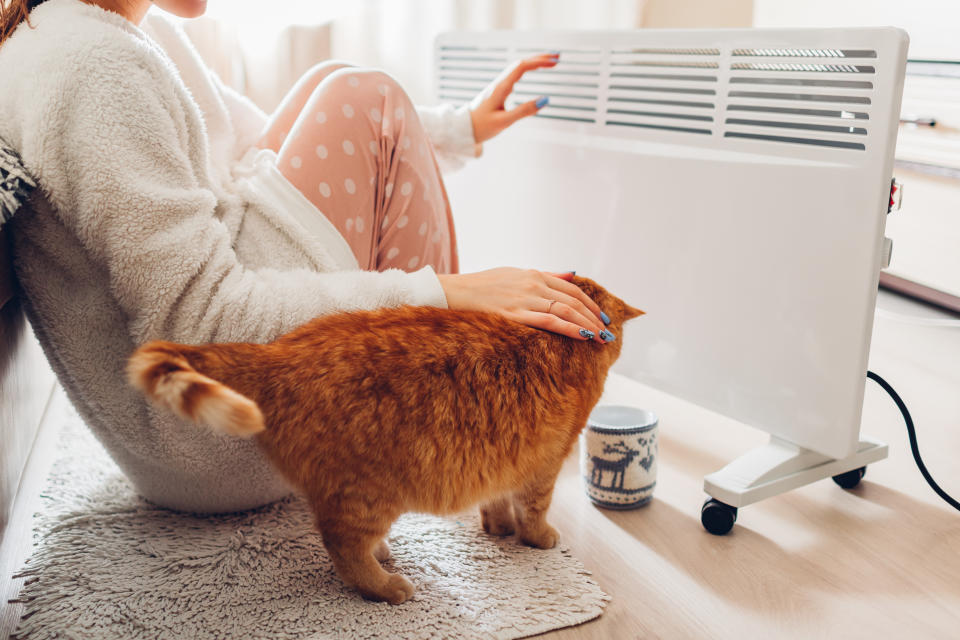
<point>109,565</point>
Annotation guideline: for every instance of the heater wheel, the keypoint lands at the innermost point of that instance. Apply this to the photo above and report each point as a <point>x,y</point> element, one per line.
<point>717,517</point>
<point>851,478</point>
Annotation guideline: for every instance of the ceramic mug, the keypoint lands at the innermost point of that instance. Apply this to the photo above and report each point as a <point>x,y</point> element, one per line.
<point>618,456</point>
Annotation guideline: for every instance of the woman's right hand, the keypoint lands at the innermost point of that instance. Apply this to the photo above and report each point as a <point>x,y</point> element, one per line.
<point>537,299</point>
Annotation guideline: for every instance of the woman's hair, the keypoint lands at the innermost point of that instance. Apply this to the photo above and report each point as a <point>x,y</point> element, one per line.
<point>12,13</point>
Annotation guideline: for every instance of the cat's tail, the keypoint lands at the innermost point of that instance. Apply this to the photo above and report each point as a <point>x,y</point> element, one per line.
<point>162,371</point>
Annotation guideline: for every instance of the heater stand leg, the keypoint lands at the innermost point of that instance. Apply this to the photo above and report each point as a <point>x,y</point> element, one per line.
<point>777,467</point>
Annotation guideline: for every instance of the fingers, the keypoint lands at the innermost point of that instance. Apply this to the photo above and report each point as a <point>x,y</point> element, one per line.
<point>565,311</point>
<point>571,309</point>
<point>551,322</point>
<point>493,122</point>
<point>504,85</point>
<point>514,73</point>
<point>523,110</point>
<point>563,285</point>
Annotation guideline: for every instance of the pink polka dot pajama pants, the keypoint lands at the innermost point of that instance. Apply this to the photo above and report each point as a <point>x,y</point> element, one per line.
<point>350,140</point>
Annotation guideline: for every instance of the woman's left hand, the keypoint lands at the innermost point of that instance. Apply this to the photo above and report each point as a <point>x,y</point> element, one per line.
<point>487,110</point>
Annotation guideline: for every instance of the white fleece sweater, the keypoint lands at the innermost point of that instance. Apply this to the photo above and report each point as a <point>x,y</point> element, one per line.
<point>154,220</point>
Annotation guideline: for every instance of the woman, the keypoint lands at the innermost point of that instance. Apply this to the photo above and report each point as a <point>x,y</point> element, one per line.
<point>175,209</point>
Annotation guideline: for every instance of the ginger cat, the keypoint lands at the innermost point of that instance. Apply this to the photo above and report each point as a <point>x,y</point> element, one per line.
<point>373,414</point>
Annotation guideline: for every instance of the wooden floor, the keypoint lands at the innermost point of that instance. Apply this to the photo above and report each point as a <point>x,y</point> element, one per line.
<point>880,561</point>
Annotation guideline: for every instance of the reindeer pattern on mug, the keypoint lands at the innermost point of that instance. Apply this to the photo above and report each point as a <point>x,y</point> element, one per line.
<point>611,470</point>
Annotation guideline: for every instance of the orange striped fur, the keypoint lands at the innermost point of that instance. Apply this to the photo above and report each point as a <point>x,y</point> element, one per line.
<point>372,414</point>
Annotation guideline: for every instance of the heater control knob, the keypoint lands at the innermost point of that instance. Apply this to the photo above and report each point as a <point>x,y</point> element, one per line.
<point>896,196</point>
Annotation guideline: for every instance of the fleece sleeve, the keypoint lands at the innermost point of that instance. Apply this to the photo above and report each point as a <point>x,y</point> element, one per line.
<point>125,177</point>
<point>451,132</point>
<point>249,120</point>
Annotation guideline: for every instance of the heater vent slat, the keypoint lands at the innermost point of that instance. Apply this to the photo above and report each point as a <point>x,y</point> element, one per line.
<point>801,97</point>
<point>560,50</point>
<point>799,125</point>
<point>564,71</point>
<point>678,64</point>
<point>804,82</point>
<point>557,116</point>
<point>803,67</point>
<point>613,100</point>
<point>825,113</point>
<point>662,127</point>
<point>658,89</point>
<point>452,47</point>
<point>500,59</point>
<point>840,144</point>
<point>805,53</point>
<point>476,87</point>
<point>659,114</point>
<point>468,77</point>
<point>492,71</point>
<point>671,52</point>
<point>664,76</point>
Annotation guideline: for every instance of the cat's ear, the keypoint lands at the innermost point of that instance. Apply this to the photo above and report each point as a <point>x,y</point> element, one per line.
<point>631,312</point>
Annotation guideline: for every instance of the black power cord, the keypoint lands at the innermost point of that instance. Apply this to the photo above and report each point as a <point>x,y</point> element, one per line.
<point>913,440</point>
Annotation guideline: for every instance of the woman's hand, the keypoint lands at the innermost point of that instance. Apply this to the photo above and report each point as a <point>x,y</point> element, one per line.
<point>535,298</point>
<point>487,110</point>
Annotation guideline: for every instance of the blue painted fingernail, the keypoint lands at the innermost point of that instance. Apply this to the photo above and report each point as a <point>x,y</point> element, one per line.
<point>587,334</point>
<point>541,101</point>
<point>555,54</point>
<point>606,336</point>
<point>605,318</point>
<point>572,272</point>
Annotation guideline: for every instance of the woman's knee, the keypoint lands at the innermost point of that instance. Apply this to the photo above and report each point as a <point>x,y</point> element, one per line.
<point>366,86</point>
<point>318,72</point>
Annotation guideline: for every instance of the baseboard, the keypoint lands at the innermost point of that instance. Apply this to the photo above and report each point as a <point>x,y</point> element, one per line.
<point>16,542</point>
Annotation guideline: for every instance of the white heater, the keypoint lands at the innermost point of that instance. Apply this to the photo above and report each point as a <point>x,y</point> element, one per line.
<point>732,183</point>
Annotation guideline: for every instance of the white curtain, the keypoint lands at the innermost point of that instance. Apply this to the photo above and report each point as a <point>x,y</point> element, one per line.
<point>262,54</point>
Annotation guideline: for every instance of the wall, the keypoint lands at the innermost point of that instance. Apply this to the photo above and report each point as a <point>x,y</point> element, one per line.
<point>26,383</point>
<point>691,14</point>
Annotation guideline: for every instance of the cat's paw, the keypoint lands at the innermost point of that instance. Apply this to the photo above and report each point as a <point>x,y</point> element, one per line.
<point>394,589</point>
<point>544,538</point>
<point>397,589</point>
<point>497,526</point>
<point>497,519</point>
<point>382,551</point>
